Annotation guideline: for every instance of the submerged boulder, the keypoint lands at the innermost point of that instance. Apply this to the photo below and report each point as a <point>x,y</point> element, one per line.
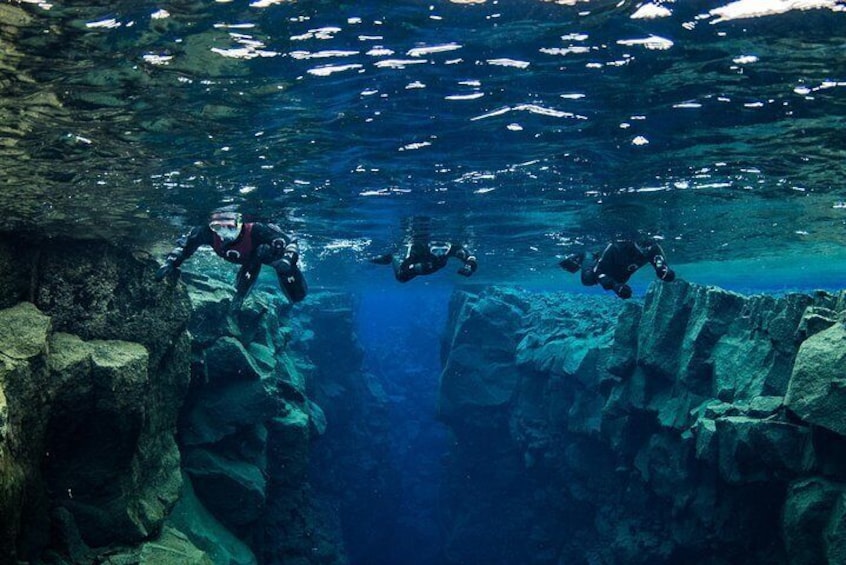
<point>119,477</point>
<point>480,372</point>
<point>812,511</point>
<point>206,532</point>
<point>234,490</point>
<point>817,389</point>
<point>218,412</point>
<point>24,331</point>
<point>755,450</point>
<point>227,360</point>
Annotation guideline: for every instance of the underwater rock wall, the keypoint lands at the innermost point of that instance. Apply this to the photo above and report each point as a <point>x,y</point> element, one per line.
<point>699,426</point>
<point>352,466</point>
<point>90,388</point>
<point>247,427</point>
<point>140,422</point>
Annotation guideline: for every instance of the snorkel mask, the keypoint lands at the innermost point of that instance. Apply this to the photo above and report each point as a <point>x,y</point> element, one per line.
<point>439,248</point>
<point>227,225</point>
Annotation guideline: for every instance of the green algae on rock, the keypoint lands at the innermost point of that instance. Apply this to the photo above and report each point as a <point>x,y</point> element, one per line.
<point>81,406</point>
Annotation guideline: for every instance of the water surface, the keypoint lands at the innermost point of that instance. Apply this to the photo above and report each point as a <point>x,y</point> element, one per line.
<point>524,128</point>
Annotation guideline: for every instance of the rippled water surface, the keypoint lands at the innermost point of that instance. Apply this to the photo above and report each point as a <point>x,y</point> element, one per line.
<point>525,128</point>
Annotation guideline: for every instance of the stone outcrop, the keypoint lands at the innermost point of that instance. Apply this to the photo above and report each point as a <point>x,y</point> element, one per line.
<point>248,425</point>
<point>81,442</point>
<point>142,420</point>
<point>690,428</point>
<point>90,389</point>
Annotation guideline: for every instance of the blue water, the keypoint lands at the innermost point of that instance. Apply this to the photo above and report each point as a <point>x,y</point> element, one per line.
<point>399,331</point>
<point>524,129</point>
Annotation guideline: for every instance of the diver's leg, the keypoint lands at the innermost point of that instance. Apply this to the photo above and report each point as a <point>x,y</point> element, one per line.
<point>403,269</point>
<point>656,256</point>
<point>244,281</point>
<point>589,277</point>
<point>384,259</point>
<point>293,284</point>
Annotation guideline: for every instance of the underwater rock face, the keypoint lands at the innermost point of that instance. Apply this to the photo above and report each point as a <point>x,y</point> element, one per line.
<point>349,466</point>
<point>246,431</point>
<point>78,437</point>
<point>93,382</point>
<point>679,430</point>
<point>817,391</point>
<point>91,386</point>
<point>98,291</point>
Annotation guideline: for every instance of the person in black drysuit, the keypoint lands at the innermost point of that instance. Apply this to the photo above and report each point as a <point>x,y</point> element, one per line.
<point>425,255</point>
<point>427,258</point>
<point>249,245</point>
<point>612,268</point>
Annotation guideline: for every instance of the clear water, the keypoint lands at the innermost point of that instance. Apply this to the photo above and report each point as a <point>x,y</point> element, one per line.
<point>524,128</point>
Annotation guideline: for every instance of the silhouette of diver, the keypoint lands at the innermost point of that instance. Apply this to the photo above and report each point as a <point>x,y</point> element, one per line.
<point>620,259</point>
<point>424,256</point>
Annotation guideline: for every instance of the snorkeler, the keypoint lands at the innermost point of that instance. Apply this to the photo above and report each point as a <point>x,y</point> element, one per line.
<point>425,255</point>
<point>612,268</point>
<point>425,259</point>
<point>250,245</point>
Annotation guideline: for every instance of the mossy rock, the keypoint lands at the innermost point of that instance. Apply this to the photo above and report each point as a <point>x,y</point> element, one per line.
<point>14,16</point>
<point>97,291</point>
<point>23,331</point>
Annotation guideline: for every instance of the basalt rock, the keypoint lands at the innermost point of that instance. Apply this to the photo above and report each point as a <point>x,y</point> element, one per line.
<point>98,377</point>
<point>81,437</point>
<point>97,291</point>
<point>680,429</point>
<point>247,427</point>
<point>817,391</point>
<point>94,370</point>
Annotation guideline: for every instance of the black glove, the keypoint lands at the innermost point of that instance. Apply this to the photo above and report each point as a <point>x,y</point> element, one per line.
<point>167,271</point>
<point>571,263</point>
<point>284,265</point>
<point>264,253</point>
<point>468,268</point>
<point>623,290</point>
<point>606,282</point>
<point>662,271</point>
<point>384,259</point>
